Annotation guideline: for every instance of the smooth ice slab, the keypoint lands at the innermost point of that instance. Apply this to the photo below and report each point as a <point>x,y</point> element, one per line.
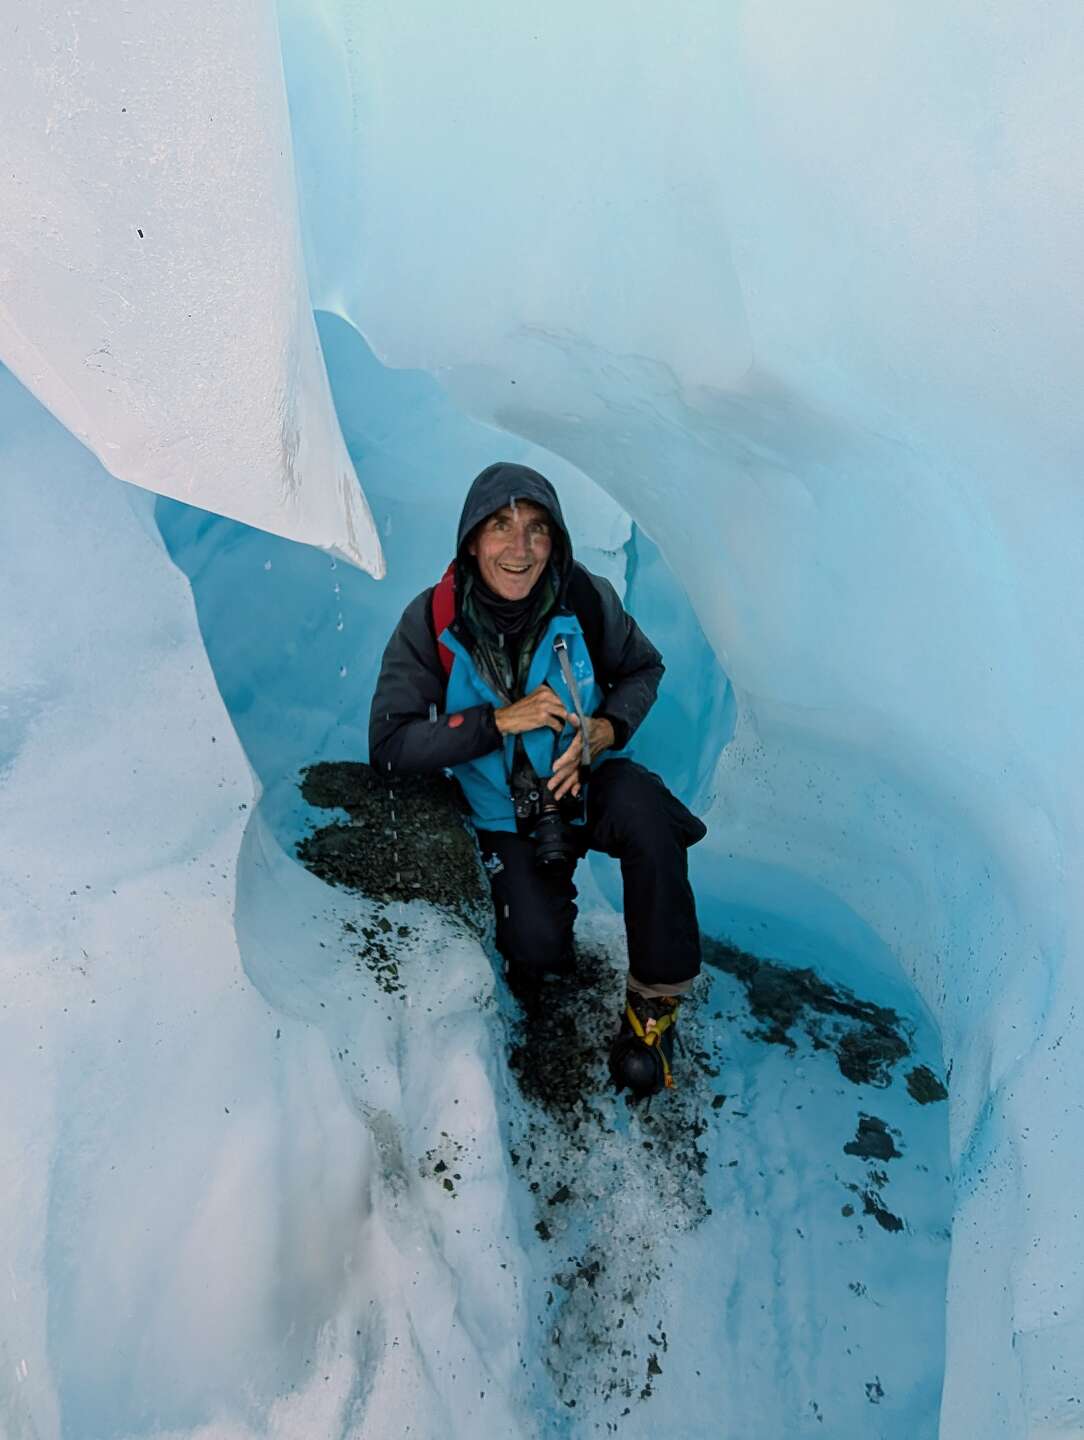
<point>152,293</point>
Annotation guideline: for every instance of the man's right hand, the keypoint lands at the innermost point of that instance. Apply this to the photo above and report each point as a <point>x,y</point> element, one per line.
<point>540,710</point>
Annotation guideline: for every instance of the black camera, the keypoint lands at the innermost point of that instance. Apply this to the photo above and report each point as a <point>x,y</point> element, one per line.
<point>542,817</point>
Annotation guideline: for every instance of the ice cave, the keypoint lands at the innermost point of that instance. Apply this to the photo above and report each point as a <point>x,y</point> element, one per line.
<point>787,304</point>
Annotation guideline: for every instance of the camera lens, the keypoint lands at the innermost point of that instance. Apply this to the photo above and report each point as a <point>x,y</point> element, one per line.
<point>554,845</point>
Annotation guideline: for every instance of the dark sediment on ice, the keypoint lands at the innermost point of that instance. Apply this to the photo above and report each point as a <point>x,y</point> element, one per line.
<point>873,1140</point>
<point>564,1027</point>
<point>406,839</point>
<point>872,1203</point>
<point>924,1086</point>
<point>567,1148</point>
<point>868,1040</point>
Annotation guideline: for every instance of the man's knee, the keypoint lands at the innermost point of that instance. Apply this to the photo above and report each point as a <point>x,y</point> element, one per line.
<point>632,806</point>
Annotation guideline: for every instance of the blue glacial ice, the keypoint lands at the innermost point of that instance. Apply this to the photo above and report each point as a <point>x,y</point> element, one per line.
<point>789,310</point>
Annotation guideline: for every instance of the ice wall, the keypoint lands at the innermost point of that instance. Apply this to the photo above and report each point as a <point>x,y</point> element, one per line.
<point>151,291</point>
<point>804,294</point>
<point>213,1221</point>
<point>155,1145</point>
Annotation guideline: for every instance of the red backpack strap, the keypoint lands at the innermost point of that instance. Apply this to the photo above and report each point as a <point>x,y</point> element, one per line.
<point>443,609</point>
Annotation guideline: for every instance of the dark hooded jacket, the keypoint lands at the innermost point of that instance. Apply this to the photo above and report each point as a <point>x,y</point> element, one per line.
<point>408,730</point>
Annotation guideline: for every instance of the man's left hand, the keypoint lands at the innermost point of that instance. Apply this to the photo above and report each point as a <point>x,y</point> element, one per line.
<point>566,768</point>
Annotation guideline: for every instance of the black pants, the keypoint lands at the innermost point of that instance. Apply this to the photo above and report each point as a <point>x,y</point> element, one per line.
<point>632,816</point>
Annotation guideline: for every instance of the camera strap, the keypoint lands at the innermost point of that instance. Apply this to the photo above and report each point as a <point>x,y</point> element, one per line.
<point>560,646</point>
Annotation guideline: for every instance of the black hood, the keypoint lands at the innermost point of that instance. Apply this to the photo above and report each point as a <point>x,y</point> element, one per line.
<point>501,484</point>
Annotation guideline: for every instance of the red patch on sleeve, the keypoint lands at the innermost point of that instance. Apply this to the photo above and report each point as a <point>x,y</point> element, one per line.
<point>454,721</point>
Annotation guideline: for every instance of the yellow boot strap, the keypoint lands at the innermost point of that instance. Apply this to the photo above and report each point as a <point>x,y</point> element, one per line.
<point>652,1036</point>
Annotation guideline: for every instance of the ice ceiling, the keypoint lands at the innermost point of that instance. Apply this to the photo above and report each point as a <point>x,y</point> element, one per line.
<point>802,294</point>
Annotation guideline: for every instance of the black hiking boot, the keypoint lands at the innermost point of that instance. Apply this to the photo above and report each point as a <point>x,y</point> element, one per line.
<point>643,1049</point>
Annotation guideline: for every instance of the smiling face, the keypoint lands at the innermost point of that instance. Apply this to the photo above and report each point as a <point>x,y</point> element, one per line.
<point>512,548</point>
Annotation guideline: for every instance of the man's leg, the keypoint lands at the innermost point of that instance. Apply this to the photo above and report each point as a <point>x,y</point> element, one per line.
<point>633,816</point>
<point>535,909</point>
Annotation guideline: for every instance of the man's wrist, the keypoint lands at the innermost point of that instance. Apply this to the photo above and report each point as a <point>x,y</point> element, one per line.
<point>604,723</point>
<point>619,729</point>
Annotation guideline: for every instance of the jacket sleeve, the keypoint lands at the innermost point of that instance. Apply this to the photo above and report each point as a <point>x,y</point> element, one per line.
<point>407,729</point>
<point>631,667</point>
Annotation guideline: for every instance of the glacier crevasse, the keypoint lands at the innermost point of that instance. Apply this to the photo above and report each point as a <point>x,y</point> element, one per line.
<point>804,298</point>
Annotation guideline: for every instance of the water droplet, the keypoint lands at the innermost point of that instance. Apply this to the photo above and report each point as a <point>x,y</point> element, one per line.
<point>339,623</point>
<point>432,714</point>
<point>342,672</point>
<point>267,564</point>
<point>334,564</point>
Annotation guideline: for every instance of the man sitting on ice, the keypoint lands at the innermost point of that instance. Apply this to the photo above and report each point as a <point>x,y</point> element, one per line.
<point>523,674</point>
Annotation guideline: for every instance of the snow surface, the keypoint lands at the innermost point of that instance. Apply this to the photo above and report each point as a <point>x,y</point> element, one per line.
<point>803,297</point>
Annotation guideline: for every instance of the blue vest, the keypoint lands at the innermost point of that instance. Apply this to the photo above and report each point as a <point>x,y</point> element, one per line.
<point>485,781</point>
